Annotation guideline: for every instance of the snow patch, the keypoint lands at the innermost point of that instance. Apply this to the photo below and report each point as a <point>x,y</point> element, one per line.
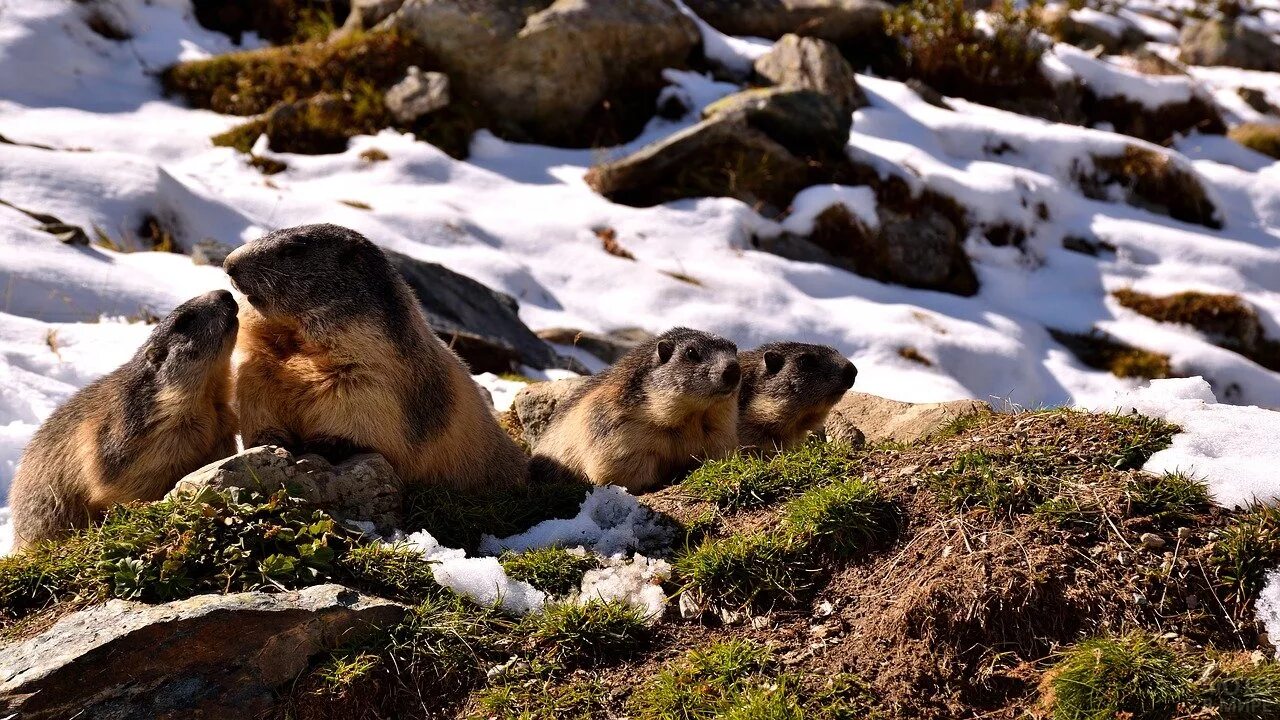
<point>636,582</point>
<point>481,578</point>
<point>609,522</point>
<point>1267,608</point>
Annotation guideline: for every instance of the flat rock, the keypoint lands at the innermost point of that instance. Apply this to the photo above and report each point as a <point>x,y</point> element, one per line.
<point>210,656</point>
<point>879,419</point>
<point>535,404</point>
<point>609,347</point>
<point>361,488</point>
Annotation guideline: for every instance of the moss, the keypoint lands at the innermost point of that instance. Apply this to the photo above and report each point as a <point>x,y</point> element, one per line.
<point>1134,676</point>
<point>574,635</point>
<point>553,570</point>
<point>1100,351</point>
<point>1259,137</point>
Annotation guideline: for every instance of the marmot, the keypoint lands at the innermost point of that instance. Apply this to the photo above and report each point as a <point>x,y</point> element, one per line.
<point>787,390</point>
<point>668,403</point>
<point>133,434</point>
<point>335,356</point>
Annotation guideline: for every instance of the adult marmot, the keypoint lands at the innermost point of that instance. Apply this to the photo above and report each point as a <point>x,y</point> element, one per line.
<point>137,431</point>
<point>335,356</point>
<point>668,403</point>
<point>787,390</point>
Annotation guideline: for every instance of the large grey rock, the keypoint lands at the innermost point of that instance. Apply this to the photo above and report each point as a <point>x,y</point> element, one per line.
<point>840,21</point>
<point>805,122</point>
<point>417,95</point>
<point>879,419</point>
<point>801,63</point>
<point>481,324</point>
<point>210,656</point>
<point>542,67</point>
<point>535,404</point>
<point>609,347</point>
<point>1221,42</point>
<point>367,13</point>
<point>360,488</point>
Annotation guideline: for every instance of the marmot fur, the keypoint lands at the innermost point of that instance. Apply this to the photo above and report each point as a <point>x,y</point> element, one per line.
<point>134,433</point>
<point>668,403</point>
<point>335,356</point>
<point>787,390</point>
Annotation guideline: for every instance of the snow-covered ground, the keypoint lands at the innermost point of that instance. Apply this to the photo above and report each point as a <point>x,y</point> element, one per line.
<point>521,219</point>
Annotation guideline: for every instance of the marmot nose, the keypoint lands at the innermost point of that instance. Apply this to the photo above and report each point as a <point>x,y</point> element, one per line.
<point>732,373</point>
<point>849,375</point>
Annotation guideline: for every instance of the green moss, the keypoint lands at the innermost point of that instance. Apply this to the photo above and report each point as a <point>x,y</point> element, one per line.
<point>574,635</point>
<point>555,571</point>
<point>458,518</point>
<point>1134,676</point>
<point>746,481</point>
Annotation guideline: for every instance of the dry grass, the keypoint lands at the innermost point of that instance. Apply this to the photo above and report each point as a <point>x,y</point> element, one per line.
<point>609,241</point>
<point>1225,320</point>
<point>1100,351</point>
<point>910,353</point>
<point>1259,137</point>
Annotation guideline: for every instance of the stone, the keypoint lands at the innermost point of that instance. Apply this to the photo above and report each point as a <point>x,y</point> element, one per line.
<point>365,14</point>
<point>417,95</point>
<point>1116,37</point>
<point>840,21</point>
<point>608,347</point>
<point>208,251</point>
<point>1152,541</point>
<point>1229,43</point>
<point>535,404</point>
<point>880,419</point>
<point>801,63</point>
<point>360,488</point>
<point>805,122</point>
<point>482,325</point>
<point>210,656</point>
<point>541,69</point>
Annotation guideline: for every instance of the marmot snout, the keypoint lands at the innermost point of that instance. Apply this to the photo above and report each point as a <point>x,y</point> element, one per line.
<point>787,390</point>
<point>137,431</point>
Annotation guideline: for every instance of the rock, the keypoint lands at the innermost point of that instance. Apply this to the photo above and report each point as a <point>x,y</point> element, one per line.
<point>1230,43</point>
<point>759,146</point>
<point>1114,35</point>
<point>928,94</point>
<point>367,13</point>
<point>609,347</point>
<point>840,21</point>
<point>417,95</point>
<point>535,403</point>
<point>1152,541</point>
<point>921,248</point>
<point>208,251</point>
<point>360,488</point>
<point>542,69</point>
<point>800,63</point>
<point>208,656</point>
<point>880,419</point>
<point>846,434</point>
<point>481,324</point>
<point>1257,99</point>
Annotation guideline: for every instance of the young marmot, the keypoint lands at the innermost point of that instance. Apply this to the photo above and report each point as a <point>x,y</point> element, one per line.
<point>668,403</point>
<point>137,431</point>
<point>335,356</point>
<point>787,390</point>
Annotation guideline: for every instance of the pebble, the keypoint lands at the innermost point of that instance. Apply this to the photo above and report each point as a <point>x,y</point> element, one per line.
<point>1152,541</point>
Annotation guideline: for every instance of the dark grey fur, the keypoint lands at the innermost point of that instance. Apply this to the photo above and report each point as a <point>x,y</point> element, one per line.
<point>799,375</point>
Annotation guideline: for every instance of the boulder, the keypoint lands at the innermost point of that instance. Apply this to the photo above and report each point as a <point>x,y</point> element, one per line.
<point>542,69</point>
<point>361,488</point>
<point>535,403</point>
<point>801,63</point>
<point>210,656</point>
<point>839,21</point>
<point>417,95</point>
<point>609,347</point>
<point>1089,29</point>
<point>759,146</point>
<point>1230,43</point>
<point>367,13</point>
<point>208,251</point>
<point>480,324</point>
<point>880,419</point>
<point>920,248</point>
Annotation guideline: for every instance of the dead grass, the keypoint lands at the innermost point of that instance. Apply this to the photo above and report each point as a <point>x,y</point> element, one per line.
<point>1100,351</point>
<point>1151,180</point>
<point>609,242</point>
<point>910,353</point>
<point>1226,320</point>
<point>1259,137</point>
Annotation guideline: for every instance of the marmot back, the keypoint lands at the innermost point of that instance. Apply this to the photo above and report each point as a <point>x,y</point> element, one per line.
<point>667,404</point>
<point>137,431</point>
<point>336,356</point>
<point>787,390</point>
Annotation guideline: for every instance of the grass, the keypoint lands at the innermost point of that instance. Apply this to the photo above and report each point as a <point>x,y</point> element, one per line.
<point>741,570</point>
<point>543,697</point>
<point>1248,549</point>
<point>1134,676</point>
<point>993,481</point>
<point>1100,351</point>
<point>555,571</point>
<point>1152,180</point>
<point>744,481</point>
<point>1245,691</point>
<point>459,518</point>
<point>575,635</point>
<point>1259,137</point>
<point>1226,320</point>
<point>1171,497</point>
<point>840,518</point>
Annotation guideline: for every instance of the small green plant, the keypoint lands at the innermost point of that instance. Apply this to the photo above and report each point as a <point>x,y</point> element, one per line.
<point>746,481</point>
<point>741,569</point>
<point>553,570</point>
<point>573,634</point>
<point>1132,676</point>
<point>1244,691</point>
<point>1170,497</point>
<point>389,571</point>
<point>983,479</point>
<point>1248,550</point>
<point>839,518</point>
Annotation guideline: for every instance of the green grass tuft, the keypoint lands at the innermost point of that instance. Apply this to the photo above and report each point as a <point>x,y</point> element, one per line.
<point>555,571</point>
<point>1171,497</point>
<point>741,570</point>
<point>1134,676</point>
<point>745,481</point>
<point>1248,549</point>
<point>541,697</point>
<point>840,518</point>
<point>572,634</point>
<point>1246,692</point>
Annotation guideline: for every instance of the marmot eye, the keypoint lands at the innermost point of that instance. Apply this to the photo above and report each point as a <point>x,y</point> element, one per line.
<point>692,355</point>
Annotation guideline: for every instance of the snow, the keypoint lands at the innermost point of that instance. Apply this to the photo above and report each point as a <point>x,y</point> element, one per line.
<point>1267,608</point>
<point>636,582</point>
<point>609,522</point>
<point>480,578</point>
<point>1109,79</point>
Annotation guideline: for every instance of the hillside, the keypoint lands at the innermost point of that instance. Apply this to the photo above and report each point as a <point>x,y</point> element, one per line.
<point>1070,212</point>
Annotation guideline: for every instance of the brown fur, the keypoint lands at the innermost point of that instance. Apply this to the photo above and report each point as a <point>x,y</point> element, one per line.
<point>787,391</point>
<point>104,447</point>
<point>628,426</point>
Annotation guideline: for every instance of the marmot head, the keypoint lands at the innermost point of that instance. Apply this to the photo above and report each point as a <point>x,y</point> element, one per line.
<point>192,340</point>
<point>780,380</point>
<point>688,369</point>
<point>314,274</point>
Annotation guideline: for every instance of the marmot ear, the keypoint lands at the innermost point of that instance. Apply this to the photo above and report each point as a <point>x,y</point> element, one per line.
<point>773,361</point>
<point>666,349</point>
